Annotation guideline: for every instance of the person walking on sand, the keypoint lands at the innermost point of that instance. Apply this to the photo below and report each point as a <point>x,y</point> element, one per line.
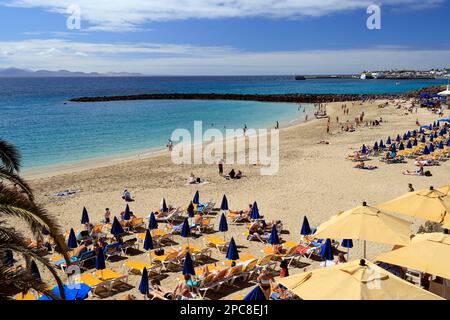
<point>220,166</point>
<point>328,128</point>
<point>169,144</point>
<point>277,126</point>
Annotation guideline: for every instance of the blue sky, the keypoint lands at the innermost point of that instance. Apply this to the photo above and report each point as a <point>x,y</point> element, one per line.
<point>184,37</point>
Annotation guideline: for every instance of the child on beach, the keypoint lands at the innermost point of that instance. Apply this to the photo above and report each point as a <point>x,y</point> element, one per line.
<point>107,216</point>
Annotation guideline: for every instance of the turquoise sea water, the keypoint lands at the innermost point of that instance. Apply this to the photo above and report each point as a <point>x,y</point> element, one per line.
<point>34,117</point>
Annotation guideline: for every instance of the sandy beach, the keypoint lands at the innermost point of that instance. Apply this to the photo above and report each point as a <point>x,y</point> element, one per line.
<point>313,179</point>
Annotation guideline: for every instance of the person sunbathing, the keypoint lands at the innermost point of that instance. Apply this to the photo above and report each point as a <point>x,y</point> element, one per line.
<point>182,290</point>
<point>238,174</point>
<point>340,259</point>
<point>191,179</point>
<point>419,172</point>
<point>126,195</point>
<point>198,219</point>
<point>160,290</point>
<point>265,282</point>
<point>362,165</point>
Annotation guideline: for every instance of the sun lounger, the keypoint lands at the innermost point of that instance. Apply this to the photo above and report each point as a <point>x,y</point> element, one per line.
<point>25,296</point>
<point>211,281</point>
<point>266,262</point>
<point>136,267</point>
<point>219,244</point>
<point>129,244</point>
<point>135,223</point>
<point>112,250</point>
<point>112,277</point>
<point>173,215</point>
<point>169,259</point>
<point>85,256</point>
<point>205,226</point>
<point>234,274</point>
<point>95,283</point>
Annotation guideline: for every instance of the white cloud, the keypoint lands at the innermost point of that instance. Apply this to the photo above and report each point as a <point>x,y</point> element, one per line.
<point>129,15</point>
<point>172,59</point>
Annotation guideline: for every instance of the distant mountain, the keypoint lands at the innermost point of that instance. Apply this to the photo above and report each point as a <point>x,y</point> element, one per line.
<point>16,73</point>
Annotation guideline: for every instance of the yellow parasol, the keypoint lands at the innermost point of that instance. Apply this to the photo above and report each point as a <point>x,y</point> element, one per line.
<point>355,280</point>
<point>428,252</point>
<point>368,224</point>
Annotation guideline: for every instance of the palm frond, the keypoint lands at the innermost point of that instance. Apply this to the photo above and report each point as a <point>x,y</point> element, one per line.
<point>9,156</point>
<point>16,180</point>
<point>10,239</point>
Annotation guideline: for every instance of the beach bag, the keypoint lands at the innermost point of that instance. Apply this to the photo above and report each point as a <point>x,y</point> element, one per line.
<point>159,252</point>
<point>427,173</point>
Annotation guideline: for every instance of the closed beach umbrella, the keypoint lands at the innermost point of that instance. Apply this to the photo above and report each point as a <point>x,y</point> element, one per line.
<point>355,280</point>
<point>148,241</point>
<point>347,243</point>
<point>223,225</point>
<point>232,252</point>
<point>224,204</point>
<point>72,241</point>
<point>185,230</point>
<point>188,266</point>
<point>126,214</point>
<point>409,144</point>
<point>393,148</point>
<point>428,253</point>
<point>388,141</point>
<point>368,224</point>
<point>423,139</point>
<point>255,211</point>
<point>306,229</point>
<point>164,206</point>
<point>431,148</point>
<point>431,138</point>
<point>255,295</point>
<point>415,142</point>
<point>381,145</point>
<point>35,270</point>
<point>426,150</point>
<point>435,135</point>
<point>190,210</point>
<point>100,260</point>
<point>143,285</point>
<point>414,133</point>
<point>448,143</point>
<point>401,147</point>
<point>398,138</point>
<point>196,199</point>
<point>363,149</point>
<point>428,204</point>
<point>326,251</point>
<point>84,216</point>
<point>375,146</point>
<point>273,238</point>
<point>152,224</point>
<point>405,137</point>
<point>116,228</point>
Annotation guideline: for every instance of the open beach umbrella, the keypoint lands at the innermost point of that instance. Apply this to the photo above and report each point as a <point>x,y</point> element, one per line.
<point>100,260</point>
<point>79,291</point>
<point>232,252</point>
<point>255,212</point>
<point>190,210</point>
<point>148,241</point>
<point>255,295</point>
<point>116,228</point>
<point>428,204</point>
<point>426,150</point>
<point>409,144</point>
<point>401,146</point>
<point>363,149</point>
<point>224,204</point>
<point>186,230</point>
<point>163,206</point>
<point>306,229</point>
<point>72,241</point>
<point>196,199</point>
<point>428,253</point>
<point>84,216</point>
<point>347,243</point>
<point>445,189</point>
<point>326,251</point>
<point>152,223</point>
<point>273,238</point>
<point>35,270</point>
<point>388,141</point>
<point>375,146</point>
<point>188,266</point>
<point>368,224</point>
<point>143,285</point>
<point>126,214</point>
<point>355,280</point>
<point>223,225</point>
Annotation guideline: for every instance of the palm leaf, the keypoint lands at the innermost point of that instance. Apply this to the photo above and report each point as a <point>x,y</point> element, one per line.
<point>16,180</point>
<point>9,156</point>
